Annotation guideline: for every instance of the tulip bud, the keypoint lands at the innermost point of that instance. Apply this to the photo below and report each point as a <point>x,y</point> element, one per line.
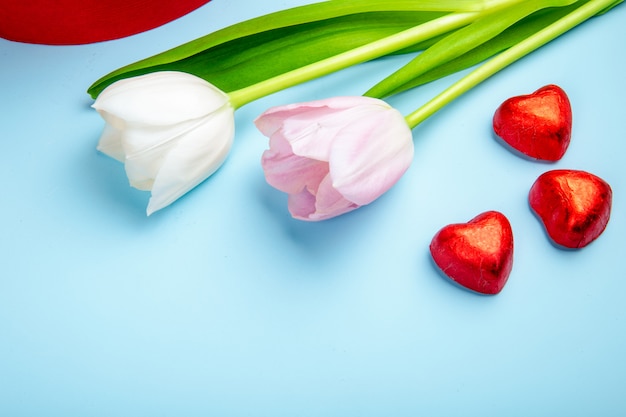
<point>333,156</point>
<point>171,130</point>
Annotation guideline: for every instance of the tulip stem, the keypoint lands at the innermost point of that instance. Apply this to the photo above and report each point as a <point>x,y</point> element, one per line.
<point>355,56</point>
<point>507,57</point>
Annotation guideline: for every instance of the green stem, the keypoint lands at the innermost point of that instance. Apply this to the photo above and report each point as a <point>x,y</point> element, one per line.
<point>355,56</point>
<point>507,57</point>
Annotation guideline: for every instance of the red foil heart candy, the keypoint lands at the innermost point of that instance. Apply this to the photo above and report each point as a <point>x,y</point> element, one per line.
<point>477,255</point>
<point>539,125</point>
<point>574,206</point>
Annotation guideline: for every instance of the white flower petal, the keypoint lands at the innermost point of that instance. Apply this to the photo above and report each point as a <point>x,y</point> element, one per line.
<point>142,168</point>
<point>160,98</point>
<point>140,139</point>
<point>172,130</point>
<point>110,143</point>
<point>198,153</point>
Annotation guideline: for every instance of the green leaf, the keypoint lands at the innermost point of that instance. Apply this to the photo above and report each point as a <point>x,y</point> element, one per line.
<point>373,50</point>
<point>326,28</point>
<point>610,7</point>
<point>583,11</point>
<point>253,59</point>
<point>459,43</point>
<point>503,41</point>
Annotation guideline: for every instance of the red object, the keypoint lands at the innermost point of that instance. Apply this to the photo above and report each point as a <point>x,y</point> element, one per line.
<point>478,254</point>
<point>574,206</point>
<point>538,125</point>
<point>72,22</point>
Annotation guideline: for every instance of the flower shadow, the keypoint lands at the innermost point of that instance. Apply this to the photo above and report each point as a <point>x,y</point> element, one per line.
<point>106,190</point>
<point>327,238</point>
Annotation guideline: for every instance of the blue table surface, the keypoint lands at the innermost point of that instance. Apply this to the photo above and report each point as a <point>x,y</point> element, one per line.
<point>222,305</point>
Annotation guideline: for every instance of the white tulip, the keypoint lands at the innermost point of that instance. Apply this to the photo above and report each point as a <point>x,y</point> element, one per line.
<point>172,130</point>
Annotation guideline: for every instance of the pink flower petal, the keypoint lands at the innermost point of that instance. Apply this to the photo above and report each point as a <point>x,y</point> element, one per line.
<point>301,205</point>
<point>288,172</point>
<point>330,203</point>
<point>311,127</point>
<point>369,157</point>
<point>333,156</point>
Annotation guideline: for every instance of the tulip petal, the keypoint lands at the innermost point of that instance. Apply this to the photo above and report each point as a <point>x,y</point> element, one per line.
<point>143,167</point>
<point>198,154</point>
<point>160,99</point>
<point>371,156</point>
<point>110,143</point>
<point>330,203</point>
<point>137,139</point>
<point>172,130</point>
<point>333,156</point>
<point>311,127</point>
<point>145,149</point>
<point>288,172</point>
<point>301,205</point>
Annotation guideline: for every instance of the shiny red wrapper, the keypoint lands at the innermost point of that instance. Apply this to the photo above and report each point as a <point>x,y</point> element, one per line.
<point>477,255</point>
<point>574,206</point>
<point>538,125</point>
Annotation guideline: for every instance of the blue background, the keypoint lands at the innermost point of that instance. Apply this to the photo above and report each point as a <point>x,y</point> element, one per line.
<point>223,305</point>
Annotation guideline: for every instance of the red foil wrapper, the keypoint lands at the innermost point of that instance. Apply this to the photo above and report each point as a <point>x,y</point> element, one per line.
<point>477,255</point>
<point>574,206</point>
<point>538,125</point>
<point>73,22</point>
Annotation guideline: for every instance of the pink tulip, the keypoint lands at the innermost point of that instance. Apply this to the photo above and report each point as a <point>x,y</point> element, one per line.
<point>335,155</point>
